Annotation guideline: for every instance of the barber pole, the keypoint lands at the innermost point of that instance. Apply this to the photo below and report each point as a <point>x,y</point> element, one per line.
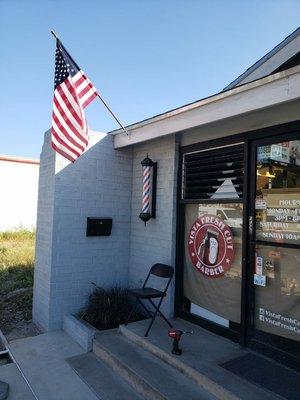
<point>149,189</point>
<point>146,190</point>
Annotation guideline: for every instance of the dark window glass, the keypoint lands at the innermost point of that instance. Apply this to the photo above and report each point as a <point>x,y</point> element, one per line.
<point>214,175</point>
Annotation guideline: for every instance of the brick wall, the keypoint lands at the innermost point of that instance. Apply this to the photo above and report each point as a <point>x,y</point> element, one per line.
<point>154,242</point>
<point>103,182</point>
<point>98,184</point>
<point>44,227</point>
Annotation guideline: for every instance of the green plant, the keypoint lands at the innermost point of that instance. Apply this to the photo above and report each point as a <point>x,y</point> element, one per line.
<point>109,308</point>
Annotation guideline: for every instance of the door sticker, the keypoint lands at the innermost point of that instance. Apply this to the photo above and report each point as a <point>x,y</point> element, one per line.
<point>259,265</point>
<point>210,246</point>
<point>259,280</point>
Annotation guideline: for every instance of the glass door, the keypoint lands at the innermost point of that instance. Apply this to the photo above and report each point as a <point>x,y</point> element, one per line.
<point>212,216</point>
<point>275,245</point>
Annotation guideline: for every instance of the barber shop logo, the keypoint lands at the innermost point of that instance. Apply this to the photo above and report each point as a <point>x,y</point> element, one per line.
<point>210,246</point>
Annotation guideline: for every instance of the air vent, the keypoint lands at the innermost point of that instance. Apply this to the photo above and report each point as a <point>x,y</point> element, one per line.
<point>214,174</point>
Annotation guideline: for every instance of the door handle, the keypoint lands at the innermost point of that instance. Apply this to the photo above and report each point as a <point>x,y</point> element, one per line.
<point>251,225</point>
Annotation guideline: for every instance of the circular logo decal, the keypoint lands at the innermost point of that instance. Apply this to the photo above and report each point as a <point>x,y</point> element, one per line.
<point>210,245</point>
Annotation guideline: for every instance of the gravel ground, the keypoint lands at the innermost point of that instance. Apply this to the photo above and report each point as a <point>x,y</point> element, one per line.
<point>15,315</point>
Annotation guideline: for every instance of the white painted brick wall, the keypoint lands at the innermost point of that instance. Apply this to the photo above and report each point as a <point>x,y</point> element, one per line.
<point>19,193</point>
<point>155,242</point>
<point>98,184</point>
<point>103,182</point>
<point>43,247</point>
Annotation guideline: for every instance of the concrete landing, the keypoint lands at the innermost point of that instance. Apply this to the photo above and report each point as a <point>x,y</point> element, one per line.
<point>101,379</point>
<point>4,390</point>
<point>203,352</point>
<point>18,388</point>
<point>42,360</point>
<point>150,376</point>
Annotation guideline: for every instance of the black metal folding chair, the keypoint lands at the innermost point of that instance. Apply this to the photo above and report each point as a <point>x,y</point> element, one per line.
<point>149,293</point>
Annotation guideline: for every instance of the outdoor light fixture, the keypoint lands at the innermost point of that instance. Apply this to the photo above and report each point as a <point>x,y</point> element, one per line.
<point>149,189</point>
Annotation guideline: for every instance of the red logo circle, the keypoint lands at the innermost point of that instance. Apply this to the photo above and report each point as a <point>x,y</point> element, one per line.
<point>210,245</point>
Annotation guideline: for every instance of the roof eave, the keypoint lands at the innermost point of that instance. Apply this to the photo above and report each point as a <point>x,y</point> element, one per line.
<point>263,60</point>
<point>120,141</point>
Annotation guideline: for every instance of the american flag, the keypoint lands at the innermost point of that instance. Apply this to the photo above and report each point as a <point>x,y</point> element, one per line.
<point>72,93</point>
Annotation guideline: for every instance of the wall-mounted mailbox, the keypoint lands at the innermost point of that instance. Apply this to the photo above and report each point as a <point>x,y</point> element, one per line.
<point>98,226</point>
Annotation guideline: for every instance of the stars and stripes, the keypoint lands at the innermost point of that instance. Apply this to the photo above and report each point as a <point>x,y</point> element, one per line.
<point>72,93</point>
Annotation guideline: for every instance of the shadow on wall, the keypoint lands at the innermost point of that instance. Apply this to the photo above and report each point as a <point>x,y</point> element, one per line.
<point>97,185</point>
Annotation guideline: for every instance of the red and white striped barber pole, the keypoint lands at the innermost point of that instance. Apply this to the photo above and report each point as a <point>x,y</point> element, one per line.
<point>149,190</point>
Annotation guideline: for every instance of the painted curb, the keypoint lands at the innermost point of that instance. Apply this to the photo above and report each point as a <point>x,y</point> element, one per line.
<point>80,331</point>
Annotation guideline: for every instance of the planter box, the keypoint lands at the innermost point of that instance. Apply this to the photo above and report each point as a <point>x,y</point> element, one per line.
<point>80,331</point>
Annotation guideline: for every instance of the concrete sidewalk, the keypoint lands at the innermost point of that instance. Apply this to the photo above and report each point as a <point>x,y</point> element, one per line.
<point>42,361</point>
<point>18,389</point>
<point>57,368</point>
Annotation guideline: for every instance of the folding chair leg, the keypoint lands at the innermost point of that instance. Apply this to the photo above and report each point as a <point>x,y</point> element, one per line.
<point>137,300</point>
<point>160,313</point>
<point>150,325</point>
<point>144,307</point>
<point>166,319</point>
<point>154,315</point>
<point>131,312</point>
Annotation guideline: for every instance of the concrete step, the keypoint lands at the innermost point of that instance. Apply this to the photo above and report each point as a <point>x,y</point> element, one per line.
<point>101,379</point>
<point>148,375</point>
<point>18,389</point>
<point>203,354</point>
<point>4,389</point>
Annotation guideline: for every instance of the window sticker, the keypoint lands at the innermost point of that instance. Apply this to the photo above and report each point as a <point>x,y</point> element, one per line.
<point>259,280</point>
<point>210,246</point>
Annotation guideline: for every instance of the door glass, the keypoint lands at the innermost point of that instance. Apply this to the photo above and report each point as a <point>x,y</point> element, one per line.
<point>277,202</point>
<point>277,304</point>
<point>212,261</point>
<point>277,212</point>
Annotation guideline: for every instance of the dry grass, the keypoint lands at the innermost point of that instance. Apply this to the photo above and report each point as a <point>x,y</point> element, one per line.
<point>16,281</point>
<point>16,260</point>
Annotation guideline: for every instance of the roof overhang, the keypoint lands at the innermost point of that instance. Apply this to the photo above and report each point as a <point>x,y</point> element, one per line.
<point>269,63</point>
<point>264,93</point>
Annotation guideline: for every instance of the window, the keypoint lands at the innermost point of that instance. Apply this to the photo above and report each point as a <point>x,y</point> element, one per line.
<point>213,184</point>
<point>278,193</point>
<point>214,174</point>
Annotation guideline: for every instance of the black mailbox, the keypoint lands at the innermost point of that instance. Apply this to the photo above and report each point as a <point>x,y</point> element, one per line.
<point>98,226</point>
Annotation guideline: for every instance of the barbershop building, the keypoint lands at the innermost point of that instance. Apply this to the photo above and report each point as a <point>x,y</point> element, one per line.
<point>225,211</point>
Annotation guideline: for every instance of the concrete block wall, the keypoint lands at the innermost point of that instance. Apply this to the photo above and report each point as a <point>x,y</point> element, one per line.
<point>155,242</point>
<point>98,184</point>
<point>44,228</point>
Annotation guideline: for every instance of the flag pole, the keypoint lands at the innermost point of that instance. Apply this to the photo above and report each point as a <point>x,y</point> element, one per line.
<point>103,101</point>
<point>108,108</point>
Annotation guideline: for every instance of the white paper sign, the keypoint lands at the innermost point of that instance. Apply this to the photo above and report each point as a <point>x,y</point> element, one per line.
<point>259,266</point>
<point>260,204</point>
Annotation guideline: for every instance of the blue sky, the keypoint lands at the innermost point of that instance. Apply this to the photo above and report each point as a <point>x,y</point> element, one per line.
<point>144,56</point>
